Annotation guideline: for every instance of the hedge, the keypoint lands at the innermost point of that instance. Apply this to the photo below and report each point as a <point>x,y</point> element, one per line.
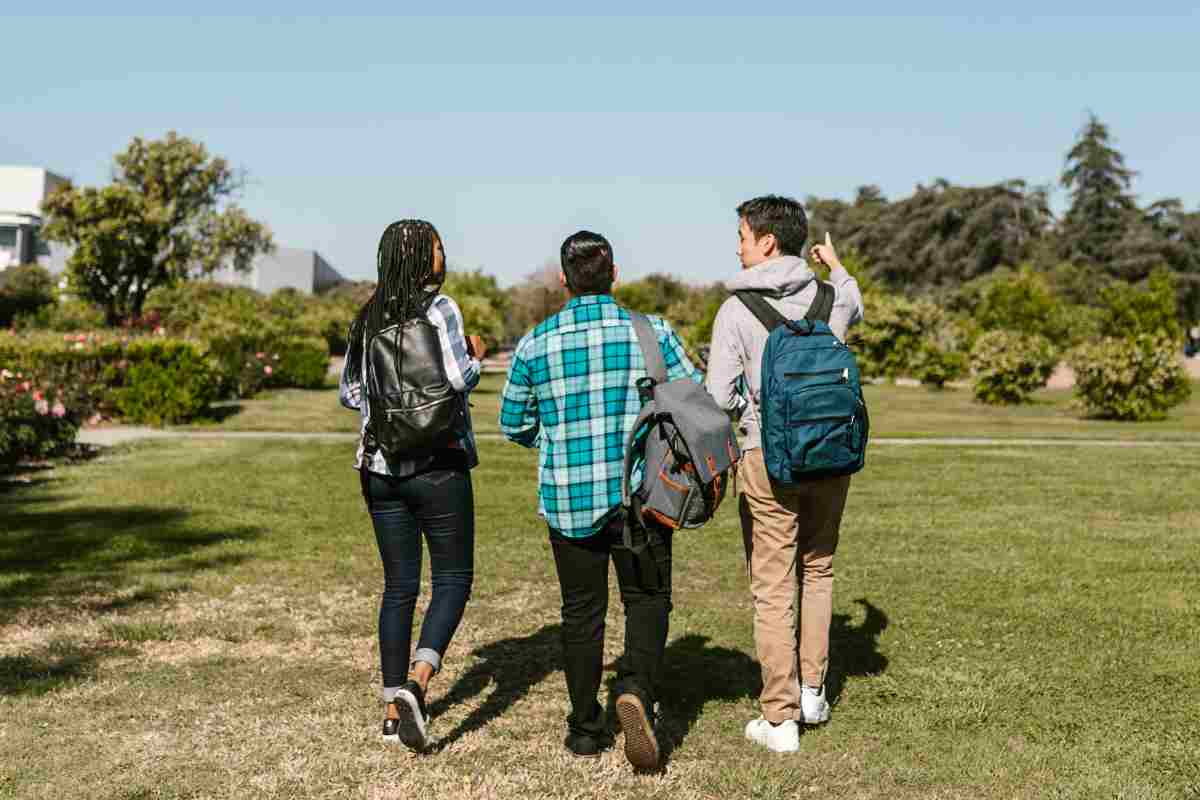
<point>1134,379</point>
<point>1009,367</point>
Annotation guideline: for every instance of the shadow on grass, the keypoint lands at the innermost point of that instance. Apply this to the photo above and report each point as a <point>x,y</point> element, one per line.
<point>854,650</point>
<point>64,559</point>
<point>51,667</point>
<point>515,665</point>
<point>695,674</point>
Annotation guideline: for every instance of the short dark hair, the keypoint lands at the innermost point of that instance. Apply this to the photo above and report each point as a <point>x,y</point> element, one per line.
<point>587,262</point>
<point>778,215</point>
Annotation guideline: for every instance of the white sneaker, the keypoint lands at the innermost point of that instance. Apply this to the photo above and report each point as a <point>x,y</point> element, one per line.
<point>813,706</point>
<point>781,738</point>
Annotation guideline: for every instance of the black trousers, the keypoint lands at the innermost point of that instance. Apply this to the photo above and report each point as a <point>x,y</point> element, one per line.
<point>645,585</point>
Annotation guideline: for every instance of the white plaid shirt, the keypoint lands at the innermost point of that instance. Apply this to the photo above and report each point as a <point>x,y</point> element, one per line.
<point>462,369</point>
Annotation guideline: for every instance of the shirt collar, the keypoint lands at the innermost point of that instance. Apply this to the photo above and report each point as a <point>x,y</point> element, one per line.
<point>588,300</point>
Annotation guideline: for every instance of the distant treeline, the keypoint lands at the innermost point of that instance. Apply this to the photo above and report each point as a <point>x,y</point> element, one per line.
<point>937,243</point>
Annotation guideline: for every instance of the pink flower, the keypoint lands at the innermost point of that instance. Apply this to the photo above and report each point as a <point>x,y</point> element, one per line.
<point>267,369</point>
<point>59,410</point>
<point>81,337</point>
<point>260,356</point>
<point>25,386</point>
<point>42,407</point>
<point>66,337</point>
<point>160,331</point>
<point>38,395</point>
<point>94,419</point>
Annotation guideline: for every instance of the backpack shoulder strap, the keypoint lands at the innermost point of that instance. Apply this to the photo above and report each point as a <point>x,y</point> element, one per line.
<point>822,304</point>
<point>766,313</point>
<point>656,367</point>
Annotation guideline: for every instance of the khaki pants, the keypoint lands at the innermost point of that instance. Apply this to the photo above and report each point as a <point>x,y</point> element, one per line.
<point>790,536</point>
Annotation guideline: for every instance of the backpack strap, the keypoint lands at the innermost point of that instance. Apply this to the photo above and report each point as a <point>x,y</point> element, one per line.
<point>769,316</point>
<point>766,313</point>
<point>822,304</point>
<point>656,367</point>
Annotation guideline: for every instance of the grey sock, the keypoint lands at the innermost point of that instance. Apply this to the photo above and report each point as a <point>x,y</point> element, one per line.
<point>389,693</point>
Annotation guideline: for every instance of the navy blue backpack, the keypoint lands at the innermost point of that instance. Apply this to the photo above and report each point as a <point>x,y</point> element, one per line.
<point>812,413</point>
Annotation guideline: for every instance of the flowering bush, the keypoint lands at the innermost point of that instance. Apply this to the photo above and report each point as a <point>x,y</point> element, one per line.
<point>1010,366</point>
<point>1135,378</point>
<point>34,418</point>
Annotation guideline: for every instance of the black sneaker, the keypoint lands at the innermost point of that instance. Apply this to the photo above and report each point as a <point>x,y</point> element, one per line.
<point>586,746</point>
<point>637,721</point>
<point>391,727</point>
<point>412,727</point>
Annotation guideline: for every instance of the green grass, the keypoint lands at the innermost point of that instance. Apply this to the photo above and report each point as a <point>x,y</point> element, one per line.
<point>197,619</point>
<point>896,411</point>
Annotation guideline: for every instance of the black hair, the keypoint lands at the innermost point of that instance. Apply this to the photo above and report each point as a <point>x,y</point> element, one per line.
<point>781,216</point>
<point>405,287</point>
<point>587,262</point>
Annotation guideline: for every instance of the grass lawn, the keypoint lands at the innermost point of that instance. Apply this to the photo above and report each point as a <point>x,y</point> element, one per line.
<point>197,619</point>
<point>898,411</point>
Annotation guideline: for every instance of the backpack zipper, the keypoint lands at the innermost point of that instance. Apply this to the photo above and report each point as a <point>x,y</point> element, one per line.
<point>796,422</point>
<point>844,372</point>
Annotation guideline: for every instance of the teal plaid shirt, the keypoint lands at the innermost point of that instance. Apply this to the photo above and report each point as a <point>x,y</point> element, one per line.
<point>572,392</point>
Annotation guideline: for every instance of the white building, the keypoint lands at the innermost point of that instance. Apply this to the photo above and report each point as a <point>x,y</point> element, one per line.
<point>23,190</point>
<point>286,268</point>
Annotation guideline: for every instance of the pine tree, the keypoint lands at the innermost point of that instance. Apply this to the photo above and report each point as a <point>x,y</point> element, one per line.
<point>1103,210</point>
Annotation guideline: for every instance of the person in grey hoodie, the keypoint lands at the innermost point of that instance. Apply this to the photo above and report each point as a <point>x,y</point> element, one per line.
<point>790,533</point>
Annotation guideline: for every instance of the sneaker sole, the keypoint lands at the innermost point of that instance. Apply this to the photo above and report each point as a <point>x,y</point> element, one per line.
<point>411,730</point>
<point>641,748</point>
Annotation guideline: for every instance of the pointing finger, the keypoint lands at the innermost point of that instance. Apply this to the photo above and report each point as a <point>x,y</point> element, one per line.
<point>828,241</point>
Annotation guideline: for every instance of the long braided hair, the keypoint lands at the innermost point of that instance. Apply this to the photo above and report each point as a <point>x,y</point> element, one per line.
<point>406,285</point>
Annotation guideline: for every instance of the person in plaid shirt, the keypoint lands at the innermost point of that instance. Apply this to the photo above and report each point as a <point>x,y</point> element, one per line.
<point>571,392</point>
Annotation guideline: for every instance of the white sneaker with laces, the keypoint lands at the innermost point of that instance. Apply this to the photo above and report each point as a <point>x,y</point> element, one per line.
<point>781,738</point>
<point>813,706</point>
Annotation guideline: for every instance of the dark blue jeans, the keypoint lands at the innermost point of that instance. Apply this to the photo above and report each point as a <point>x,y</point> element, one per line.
<point>440,505</point>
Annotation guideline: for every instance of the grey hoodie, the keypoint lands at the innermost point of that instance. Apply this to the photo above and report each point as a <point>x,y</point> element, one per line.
<point>739,338</point>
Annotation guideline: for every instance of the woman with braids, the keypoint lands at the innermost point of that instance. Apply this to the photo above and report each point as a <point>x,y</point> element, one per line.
<point>426,492</point>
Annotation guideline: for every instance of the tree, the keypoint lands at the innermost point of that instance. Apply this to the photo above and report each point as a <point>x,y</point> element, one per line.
<point>482,302</point>
<point>942,235</point>
<point>538,296</point>
<point>1102,208</point>
<point>166,216</point>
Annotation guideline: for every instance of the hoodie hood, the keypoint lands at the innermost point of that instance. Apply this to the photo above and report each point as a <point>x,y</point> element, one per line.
<point>781,276</point>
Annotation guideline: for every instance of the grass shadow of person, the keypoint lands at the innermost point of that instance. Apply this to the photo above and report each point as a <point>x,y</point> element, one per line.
<point>854,649</point>
<point>515,665</point>
<point>694,674</point>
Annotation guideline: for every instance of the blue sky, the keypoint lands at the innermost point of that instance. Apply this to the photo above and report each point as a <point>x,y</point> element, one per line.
<point>510,133</point>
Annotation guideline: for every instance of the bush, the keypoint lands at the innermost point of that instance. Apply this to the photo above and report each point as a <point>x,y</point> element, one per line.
<point>1010,366</point>
<point>35,418</point>
<point>248,363</point>
<point>1134,378</point>
<point>110,374</point>
<point>71,316</point>
<point>23,290</point>
<point>166,382</point>
<point>897,336</point>
<point>1130,311</point>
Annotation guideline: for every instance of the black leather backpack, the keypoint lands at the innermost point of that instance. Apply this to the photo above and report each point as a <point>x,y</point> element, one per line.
<point>413,407</point>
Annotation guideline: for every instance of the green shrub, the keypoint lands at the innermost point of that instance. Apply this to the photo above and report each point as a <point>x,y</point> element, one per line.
<point>1133,378</point>
<point>151,379</point>
<point>1010,366</point>
<point>36,418</point>
<point>24,289</point>
<point>1129,311</point>
<point>303,363</point>
<point>71,316</point>
<point>898,336</point>
<point>166,382</point>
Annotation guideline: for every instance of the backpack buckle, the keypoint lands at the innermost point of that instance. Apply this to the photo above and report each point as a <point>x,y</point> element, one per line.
<point>645,387</point>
